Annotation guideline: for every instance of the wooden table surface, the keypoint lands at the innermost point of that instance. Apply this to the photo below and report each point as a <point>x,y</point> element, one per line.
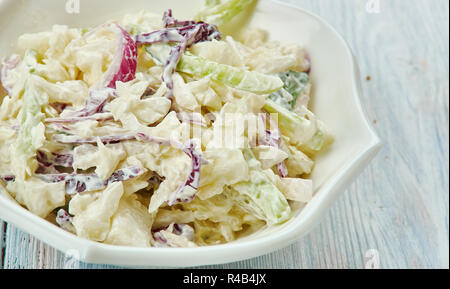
<point>399,206</point>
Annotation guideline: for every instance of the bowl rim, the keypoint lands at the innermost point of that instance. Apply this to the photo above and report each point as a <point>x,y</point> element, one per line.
<point>99,253</point>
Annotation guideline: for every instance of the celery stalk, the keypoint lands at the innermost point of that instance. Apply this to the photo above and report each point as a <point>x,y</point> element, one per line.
<point>294,84</point>
<point>211,3</point>
<point>260,196</point>
<point>30,135</point>
<point>222,13</point>
<point>300,130</point>
<point>251,81</point>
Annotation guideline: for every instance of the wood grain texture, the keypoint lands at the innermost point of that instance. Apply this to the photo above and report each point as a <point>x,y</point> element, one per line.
<point>399,205</point>
<point>2,242</point>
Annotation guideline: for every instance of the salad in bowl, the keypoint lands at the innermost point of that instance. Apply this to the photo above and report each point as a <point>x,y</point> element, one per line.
<point>152,131</point>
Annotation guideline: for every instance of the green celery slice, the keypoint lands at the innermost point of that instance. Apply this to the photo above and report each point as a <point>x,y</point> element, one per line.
<point>251,81</point>
<point>294,84</point>
<point>300,130</point>
<point>31,114</point>
<point>211,3</point>
<point>260,196</point>
<point>221,14</point>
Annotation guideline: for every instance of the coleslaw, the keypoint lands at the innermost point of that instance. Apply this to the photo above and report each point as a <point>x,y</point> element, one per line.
<point>155,132</point>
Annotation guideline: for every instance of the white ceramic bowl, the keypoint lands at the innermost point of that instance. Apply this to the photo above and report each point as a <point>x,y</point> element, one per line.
<point>336,101</point>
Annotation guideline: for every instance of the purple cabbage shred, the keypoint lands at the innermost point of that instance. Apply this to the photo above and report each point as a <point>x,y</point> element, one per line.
<point>80,183</point>
<point>273,138</point>
<point>47,163</point>
<point>64,220</point>
<point>95,102</point>
<point>186,191</point>
<point>182,230</point>
<point>185,34</point>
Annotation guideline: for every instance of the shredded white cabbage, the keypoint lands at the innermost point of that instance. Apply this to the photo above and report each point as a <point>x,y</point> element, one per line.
<point>200,168</point>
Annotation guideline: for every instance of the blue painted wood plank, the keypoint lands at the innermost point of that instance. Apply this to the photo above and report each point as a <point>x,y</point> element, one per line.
<point>2,242</point>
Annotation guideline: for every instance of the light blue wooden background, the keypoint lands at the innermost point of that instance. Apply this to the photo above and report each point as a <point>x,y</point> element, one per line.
<point>400,204</point>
